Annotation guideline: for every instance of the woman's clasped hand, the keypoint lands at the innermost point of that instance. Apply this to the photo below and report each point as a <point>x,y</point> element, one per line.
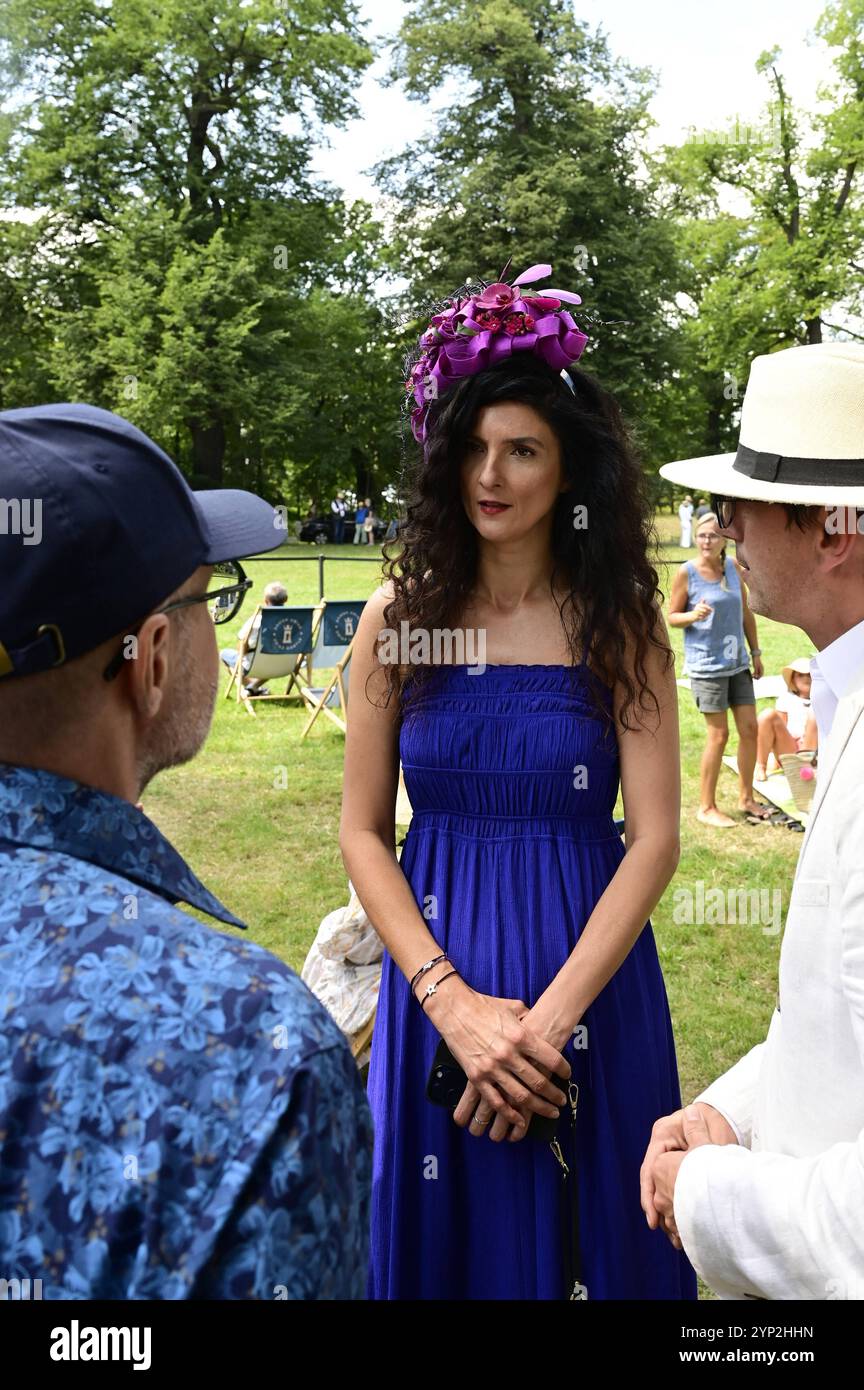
<point>507,1062</point>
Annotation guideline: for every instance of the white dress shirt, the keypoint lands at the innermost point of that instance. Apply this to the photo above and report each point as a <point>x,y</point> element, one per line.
<point>833,672</point>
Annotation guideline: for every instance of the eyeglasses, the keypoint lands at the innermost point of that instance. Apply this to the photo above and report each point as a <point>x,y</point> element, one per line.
<point>224,599</point>
<point>724,510</point>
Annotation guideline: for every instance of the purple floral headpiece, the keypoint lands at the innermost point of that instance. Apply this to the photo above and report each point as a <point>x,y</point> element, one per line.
<point>479,327</point>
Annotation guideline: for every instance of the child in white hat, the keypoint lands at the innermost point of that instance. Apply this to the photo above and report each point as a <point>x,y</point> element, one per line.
<point>791,724</point>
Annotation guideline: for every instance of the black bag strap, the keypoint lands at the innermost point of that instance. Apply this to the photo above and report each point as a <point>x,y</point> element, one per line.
<point>574,1289</point>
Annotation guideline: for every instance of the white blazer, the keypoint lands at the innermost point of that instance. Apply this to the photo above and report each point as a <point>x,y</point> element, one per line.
<point>782,1215</point>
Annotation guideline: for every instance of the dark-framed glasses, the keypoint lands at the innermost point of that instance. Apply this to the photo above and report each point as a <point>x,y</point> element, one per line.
<point>724,510</point>
<point>224,594</point>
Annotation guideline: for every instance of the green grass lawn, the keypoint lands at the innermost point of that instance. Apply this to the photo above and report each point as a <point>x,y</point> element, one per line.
<point>272,855</point>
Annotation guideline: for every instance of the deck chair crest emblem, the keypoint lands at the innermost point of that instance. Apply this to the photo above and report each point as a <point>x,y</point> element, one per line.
<point>280,642</point>
<point>334,648</point>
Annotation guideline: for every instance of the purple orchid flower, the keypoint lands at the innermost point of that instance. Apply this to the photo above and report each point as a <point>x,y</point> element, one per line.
<point>496,297</point>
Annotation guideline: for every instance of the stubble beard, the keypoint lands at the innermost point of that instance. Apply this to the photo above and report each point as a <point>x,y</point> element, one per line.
<point>184,722</point>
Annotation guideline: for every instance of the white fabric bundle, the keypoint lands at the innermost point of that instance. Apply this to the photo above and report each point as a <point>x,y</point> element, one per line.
<point>343,968</point>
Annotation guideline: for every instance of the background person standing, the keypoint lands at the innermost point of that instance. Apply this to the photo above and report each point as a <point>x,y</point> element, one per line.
<point>339,511</point>
<point>709,602</point>
<point>685,516</point>
<point>360,516</point>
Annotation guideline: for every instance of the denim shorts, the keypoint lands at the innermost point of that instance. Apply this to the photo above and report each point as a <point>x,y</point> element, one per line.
<point>714,694</point>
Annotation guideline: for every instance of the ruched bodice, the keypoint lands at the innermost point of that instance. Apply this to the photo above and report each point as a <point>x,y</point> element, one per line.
<point>514,750</point>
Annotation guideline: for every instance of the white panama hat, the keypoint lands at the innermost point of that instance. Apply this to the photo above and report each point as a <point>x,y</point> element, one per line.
<point>802,432</point>
<point>800,666</point>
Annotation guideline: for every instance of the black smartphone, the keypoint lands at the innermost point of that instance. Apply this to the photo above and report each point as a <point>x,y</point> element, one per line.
<point>447,1082</point>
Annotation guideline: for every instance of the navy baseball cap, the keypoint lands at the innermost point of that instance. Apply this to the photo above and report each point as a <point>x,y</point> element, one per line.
<point>97,528</point>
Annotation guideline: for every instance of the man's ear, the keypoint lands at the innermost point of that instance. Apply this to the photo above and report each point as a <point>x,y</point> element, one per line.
<point>834,547</point>
<point>147,670</point>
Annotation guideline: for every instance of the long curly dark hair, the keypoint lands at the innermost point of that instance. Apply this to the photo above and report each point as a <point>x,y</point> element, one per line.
<point>612,587</point>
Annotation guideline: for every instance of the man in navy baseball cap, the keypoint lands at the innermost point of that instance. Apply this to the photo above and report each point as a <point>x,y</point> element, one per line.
<point>135,1036</point>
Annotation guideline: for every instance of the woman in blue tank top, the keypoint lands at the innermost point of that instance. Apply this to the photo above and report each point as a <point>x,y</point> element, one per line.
<point>709,602</point>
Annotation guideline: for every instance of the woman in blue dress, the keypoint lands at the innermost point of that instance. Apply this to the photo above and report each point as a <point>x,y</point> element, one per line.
<point>517,663</point>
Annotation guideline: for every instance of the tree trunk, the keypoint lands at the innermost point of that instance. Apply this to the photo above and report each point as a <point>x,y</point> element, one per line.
<point>715,418</point>
<point>814,330</point>
<point>361,474</point>
<point>204,206</point>
<point>208,451</point>
<point>713,425</point>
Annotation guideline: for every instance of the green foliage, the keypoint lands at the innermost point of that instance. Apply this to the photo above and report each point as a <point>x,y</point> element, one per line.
<point>182,256</point>
<point>785,267</point>
<point>166,252</point>
<point>177,101</point>
<point>540,157</point>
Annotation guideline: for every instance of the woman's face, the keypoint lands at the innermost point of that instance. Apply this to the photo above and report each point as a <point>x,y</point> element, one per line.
<point>801,684</point>
<point>709,541</point>
<point>512,461</point>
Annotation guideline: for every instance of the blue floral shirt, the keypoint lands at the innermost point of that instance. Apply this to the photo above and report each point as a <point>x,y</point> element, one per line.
<point>179,1116</point>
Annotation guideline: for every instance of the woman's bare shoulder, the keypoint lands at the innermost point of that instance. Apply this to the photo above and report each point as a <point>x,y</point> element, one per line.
<point>379,600</point>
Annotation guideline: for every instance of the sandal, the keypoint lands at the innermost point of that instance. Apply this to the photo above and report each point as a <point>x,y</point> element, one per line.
<point>790,823</point>
<point>763,811</point>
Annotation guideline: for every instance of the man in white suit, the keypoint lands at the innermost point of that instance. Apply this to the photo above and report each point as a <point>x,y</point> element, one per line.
<point>762,1179</point>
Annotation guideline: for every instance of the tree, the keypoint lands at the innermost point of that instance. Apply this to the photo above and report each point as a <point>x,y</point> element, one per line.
<point>153,140</point>
<point>787,266</point>
<point>540,158</point>
<point>24,335</point>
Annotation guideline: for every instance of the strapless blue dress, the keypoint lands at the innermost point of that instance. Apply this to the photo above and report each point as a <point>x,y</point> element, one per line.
<point>513,777</point>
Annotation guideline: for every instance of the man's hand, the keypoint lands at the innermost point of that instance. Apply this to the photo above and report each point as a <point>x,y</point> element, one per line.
<point>671,1138</point>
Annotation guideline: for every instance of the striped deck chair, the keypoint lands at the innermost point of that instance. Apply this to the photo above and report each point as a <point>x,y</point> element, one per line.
<point>337,632</point>
<point>286,639</point>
